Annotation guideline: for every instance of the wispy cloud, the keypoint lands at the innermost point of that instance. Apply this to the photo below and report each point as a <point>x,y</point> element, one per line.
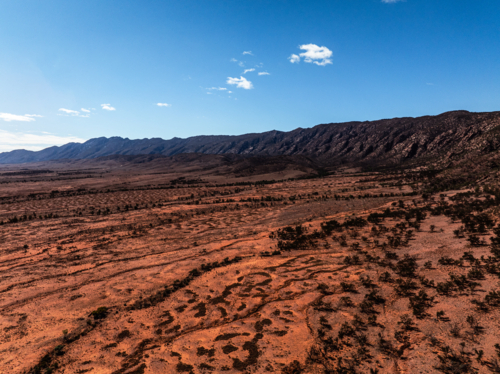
<point>240,63</point>
<point>164,104</point>
<point>240,82</point>
<point>74,113</point>
<point>8,117</point>
<point>392,1</point>
<point>248,53</point>
<point>10,141</point>
<point>217,89</point>
<point>107,107</point>
<point>313,54</point>
<point>263,73</point>
<point>69,111</point>
<point>248,70</point>
<point>294,58</point>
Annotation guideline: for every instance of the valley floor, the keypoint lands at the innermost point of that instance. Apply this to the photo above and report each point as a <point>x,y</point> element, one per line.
<point>350,273</point>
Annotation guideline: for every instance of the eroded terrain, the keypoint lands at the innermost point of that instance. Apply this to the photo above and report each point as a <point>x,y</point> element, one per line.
<point>135,270</point>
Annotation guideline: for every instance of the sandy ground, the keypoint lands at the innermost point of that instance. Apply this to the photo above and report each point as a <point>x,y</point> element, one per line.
<point>181,270</point>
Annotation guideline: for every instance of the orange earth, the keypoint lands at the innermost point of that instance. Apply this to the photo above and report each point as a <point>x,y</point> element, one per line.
<point>120,267</point>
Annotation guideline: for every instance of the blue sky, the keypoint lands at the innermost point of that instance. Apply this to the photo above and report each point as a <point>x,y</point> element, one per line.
<point>74,70</point>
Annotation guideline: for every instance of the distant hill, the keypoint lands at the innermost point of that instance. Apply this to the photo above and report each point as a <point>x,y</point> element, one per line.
<point>448,137</point>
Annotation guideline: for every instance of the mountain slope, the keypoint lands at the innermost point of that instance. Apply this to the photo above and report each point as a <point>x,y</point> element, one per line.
<point>449,136</point>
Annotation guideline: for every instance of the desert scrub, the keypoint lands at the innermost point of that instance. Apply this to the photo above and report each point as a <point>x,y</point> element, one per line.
<point>99,313</point>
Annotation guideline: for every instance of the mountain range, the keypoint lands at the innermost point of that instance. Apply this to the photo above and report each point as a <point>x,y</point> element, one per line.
<point>448,137</point>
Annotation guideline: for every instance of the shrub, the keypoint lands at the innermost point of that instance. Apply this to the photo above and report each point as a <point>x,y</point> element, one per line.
<point>366,307</point>
<point>374,297</point>
<point>367,282</point>
<point>475,273</point>
<point>405,287</point>
<point>451,362</point>
<point>493,298</point>
<point>420,303</point>
<point>407,267</point>
<point>346,330</point>
<point>346,301</point>
<point>406,323</point>
<point>348,287</point>
<point>385,277</point>
<point>100,313</point>
<point>446,261</point>
<point>58,350</point>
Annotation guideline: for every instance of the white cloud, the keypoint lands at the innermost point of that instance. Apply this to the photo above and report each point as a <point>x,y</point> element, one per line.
<point>316,54</point>
<point>74,113</point>
<point>107,107</point>
<point>10,141</point>
<point>294,59</point>
<point>217,88</point>
<point>33,115</point>
<point>248,53</point>
<point>164,104</point>
<point>263,73</point>
<point>392,1</point>
<point>240,82</point>
<point>313,54</point>
<point>248,71</point>
<point>69,111</point>
<point>8,117</point>
<point>233,60</point>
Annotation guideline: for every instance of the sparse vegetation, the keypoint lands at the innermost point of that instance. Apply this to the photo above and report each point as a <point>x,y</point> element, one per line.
<point>193,255</point>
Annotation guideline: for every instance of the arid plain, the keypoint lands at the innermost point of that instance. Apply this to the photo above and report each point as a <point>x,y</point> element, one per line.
<point>130,265</point>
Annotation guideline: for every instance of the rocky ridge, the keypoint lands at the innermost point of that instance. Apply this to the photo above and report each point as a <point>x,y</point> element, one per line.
<point>447,138</point>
